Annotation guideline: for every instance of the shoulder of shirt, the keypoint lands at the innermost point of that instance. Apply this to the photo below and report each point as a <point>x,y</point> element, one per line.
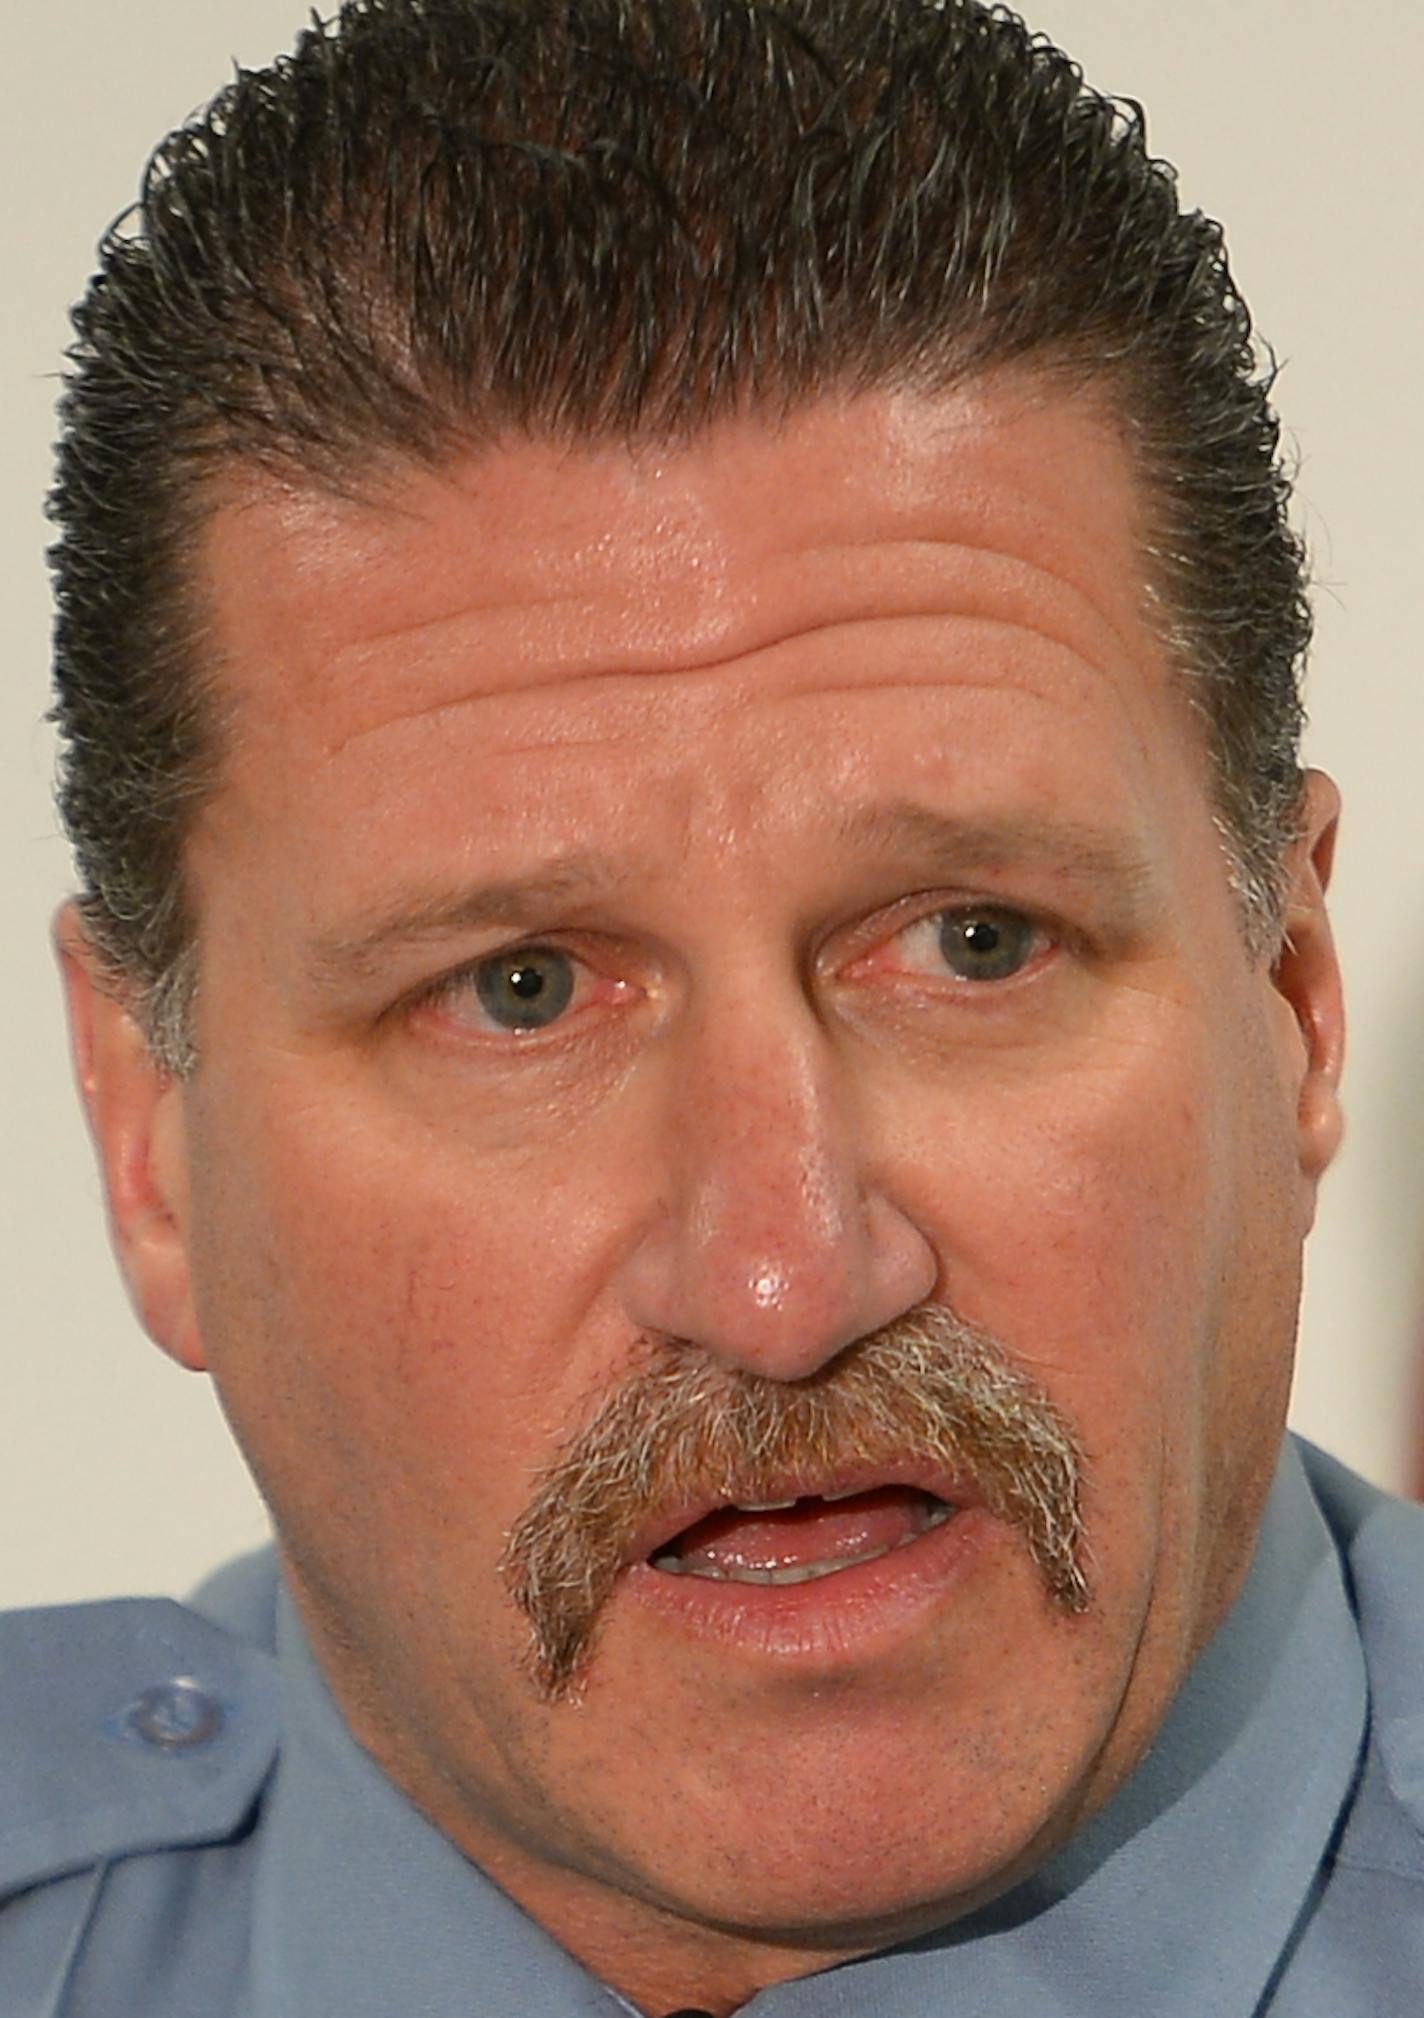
<point>1381,1543</point>
<point>134,1724</point>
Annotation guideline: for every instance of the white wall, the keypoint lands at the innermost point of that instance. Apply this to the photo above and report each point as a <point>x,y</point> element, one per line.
<point>115,1470</point>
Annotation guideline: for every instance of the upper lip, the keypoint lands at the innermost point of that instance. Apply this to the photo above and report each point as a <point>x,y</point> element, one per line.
<point>955,1488</point>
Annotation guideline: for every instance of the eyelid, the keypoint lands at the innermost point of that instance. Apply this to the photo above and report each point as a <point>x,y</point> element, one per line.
<point>888,921</point>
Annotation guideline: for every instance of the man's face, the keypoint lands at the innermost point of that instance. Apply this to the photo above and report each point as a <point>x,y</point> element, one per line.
<point>691,908</point>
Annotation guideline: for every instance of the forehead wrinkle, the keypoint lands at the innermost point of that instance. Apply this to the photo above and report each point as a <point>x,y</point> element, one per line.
<point>691,670</point>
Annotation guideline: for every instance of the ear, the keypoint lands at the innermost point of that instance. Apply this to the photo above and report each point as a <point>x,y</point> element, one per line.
<point>137,1121</point>
<point>1306,977</point>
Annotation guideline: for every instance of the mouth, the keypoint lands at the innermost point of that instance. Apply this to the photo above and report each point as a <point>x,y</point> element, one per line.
<point>800,1537</point>
<point>819,1575</point>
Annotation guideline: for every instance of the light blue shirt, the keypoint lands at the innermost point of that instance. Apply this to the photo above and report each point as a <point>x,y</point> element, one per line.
<point>1267,1857</point>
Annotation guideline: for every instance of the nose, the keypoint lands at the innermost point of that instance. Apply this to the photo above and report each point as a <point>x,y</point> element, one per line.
<point>769,1245</point>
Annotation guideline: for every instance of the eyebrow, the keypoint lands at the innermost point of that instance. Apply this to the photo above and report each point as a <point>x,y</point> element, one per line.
<point>514,903</point>
<point>1079,850</point>
<point>941,846</point>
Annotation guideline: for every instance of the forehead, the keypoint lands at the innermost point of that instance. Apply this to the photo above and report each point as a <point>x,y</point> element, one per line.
<point>859,568</point>
<point>655,558</point>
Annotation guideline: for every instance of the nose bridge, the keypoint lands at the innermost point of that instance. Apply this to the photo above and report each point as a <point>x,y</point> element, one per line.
<point>769,1248</point>
<point>766,1169</point>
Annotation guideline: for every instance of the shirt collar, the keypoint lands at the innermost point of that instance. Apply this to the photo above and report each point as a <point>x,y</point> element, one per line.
<point>1179,1898</point>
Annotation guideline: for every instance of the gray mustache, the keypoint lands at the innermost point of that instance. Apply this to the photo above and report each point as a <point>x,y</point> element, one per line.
<point>927,1388</point>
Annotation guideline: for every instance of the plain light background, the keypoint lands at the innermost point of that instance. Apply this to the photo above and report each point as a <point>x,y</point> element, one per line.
<point>1298,125</point>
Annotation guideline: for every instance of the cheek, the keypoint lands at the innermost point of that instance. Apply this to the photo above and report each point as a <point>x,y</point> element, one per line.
<point>1085,1217</point>
<point>382,1310</point>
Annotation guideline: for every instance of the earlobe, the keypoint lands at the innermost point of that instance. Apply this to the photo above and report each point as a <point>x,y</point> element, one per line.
<point>136,1116</point>
<point>1307,978</point>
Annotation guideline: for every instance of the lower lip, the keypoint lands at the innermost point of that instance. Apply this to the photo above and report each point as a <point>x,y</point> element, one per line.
<point>837,1616</point>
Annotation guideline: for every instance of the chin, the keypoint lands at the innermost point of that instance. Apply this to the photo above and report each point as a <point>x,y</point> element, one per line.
<point>856,1859</point>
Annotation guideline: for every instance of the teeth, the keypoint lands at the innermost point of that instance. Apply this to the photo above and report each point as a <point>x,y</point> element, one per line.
<point>764,1505</point>
<point>793,1573</point>
<point>786,1573</point>
<point>675,1566</point>
<point>803,1573</point>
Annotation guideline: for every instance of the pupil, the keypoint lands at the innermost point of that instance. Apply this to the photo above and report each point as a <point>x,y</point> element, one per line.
<point>980,936</point>
<point>527,983</point>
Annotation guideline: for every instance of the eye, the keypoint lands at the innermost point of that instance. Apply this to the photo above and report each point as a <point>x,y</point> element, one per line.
<point>526,988</point>
<point>977,943</point>
<point>521,992</point>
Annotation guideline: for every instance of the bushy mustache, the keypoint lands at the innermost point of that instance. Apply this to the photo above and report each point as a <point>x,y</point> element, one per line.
<point>927,1388</point>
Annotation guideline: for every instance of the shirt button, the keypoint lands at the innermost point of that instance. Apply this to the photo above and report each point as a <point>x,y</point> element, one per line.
<point>176,1716</point>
